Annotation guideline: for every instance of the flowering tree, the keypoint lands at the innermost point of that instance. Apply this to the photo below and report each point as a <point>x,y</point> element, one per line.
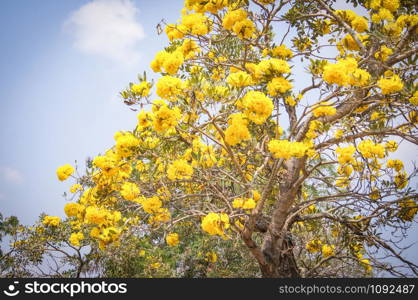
<point>293,171</point>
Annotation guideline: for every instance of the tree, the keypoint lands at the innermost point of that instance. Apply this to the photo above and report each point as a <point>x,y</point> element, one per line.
<point>210,162</point>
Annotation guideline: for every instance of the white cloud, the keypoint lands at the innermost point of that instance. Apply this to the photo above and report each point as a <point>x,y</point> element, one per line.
<point>108,28</point>
<point>11,175</point>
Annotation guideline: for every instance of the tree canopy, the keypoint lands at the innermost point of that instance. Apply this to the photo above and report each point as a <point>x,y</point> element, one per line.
<point>267,150</point>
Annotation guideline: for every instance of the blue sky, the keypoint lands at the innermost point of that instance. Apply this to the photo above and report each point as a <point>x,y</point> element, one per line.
<point>60,76</point>
<point>62,65</point>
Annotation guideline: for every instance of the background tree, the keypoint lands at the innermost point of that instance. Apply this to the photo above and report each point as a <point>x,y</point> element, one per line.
<point>210,167</point>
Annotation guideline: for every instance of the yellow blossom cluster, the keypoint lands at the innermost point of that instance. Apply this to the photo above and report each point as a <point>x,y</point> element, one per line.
<point>75,239</point>
<point>345,72</point>
<point>324,109</point>
<point>390,84</point>
<point>370,149</point>
<point>64,172</point>
<point>142,89</point>
<point>172,239</point>
<point>408,209</point>
<point>383,53</point>
<point>257,106</point>
<point>126,142</point>
<point>349,43</point>
<point>414,99</point>
<point>314,246</point>
<point>278,85</point>
<point>269,68</point>
<point>129,191</point>
<point>169,61</point>
<point>395,164</point>
<point>358,23</point>
<point>239,79</point>
<point>189,49</point>
<point>170,88</point>
<point>205,6</point>
<point>280,51</point>
<point>237,21</point>
<point>327,250</point>
<point>287,149</point>
<point>345,154</point>
<point>383,9</point>
<point>165,118</point>
<point>51,221</point>
<point>247,203</point>
<point>215,223</point>
<point>237,130</point>
<point>179,170</point>
<point>211,257</point>
<point>74,209</point>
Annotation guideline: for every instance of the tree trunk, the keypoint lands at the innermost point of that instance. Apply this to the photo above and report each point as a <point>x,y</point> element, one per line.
<point>277,246</point>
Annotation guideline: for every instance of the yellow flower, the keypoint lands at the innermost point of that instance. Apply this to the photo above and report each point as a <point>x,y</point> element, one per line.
<point>189,48</point>
<point>211,257</point>
<point>278,85</point>
<point>395,164</point>
<point>249,204</point>
<point>76,187</point>
<point>314,246</point>
<point>215,223</point>
<point>258,107</point>
<point>271,67</point>
<point>129,191</point>
<point>369,149</point>
<point>286,149</point>
<point>169,88</point>
<point>172,239</point>
<point>179,169</point>
<point>345,155</point>
<point>169,61</point>
<point>166,118</point>
<point>391,5</point>
<point>141,89</point>
<point>237,131</point>
<point>391,146</point>
<point>155,265</point>
<point>401,180</point>
<point>408,209</point>
<point>232,17</point>
<point>414,99</point>
<point>239,79</point>
<point>173,32</point>
<point>282,51</point>
<point>323,109</point>
<point>64,172</point>
<point>94,215</point>
<point>151,205</point>
<point>360,24</point>
<point>390,85</point>
<point>51,221</point>
<point>345,72</point>
<point>338,133</point>
<point>327,250</point>
<point>73,209</point>
<point>366,264</point>
<point>125,143</point>
<point>75,239</point>
<point>383,53</point>
<point>244,29</point>
<point>256,195</point>
<point>195,23</point>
